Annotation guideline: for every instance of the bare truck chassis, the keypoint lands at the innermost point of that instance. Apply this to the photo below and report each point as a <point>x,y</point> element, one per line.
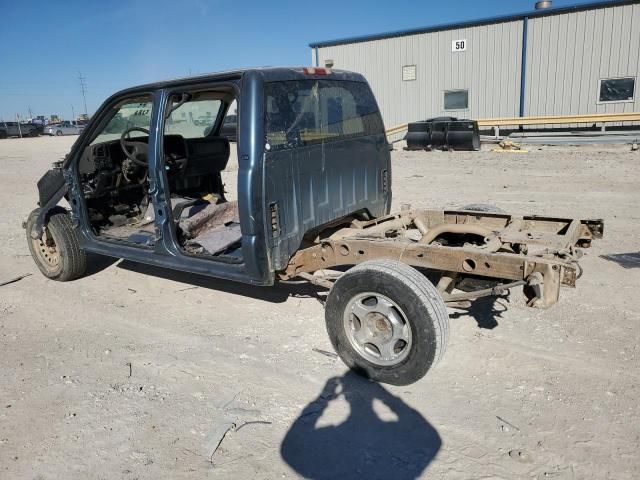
<point>539,253</point>
<point>313,200</point>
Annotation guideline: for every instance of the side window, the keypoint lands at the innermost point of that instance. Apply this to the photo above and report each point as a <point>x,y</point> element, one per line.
<point>308,112</point>
<point>232,115</point>
<point>617,89</point>
<point>193,119</point>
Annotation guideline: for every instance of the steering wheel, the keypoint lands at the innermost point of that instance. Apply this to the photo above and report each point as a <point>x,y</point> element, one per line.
<point>139,150</point>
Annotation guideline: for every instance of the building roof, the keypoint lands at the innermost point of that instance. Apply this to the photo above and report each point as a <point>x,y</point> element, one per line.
<point>475,23</point>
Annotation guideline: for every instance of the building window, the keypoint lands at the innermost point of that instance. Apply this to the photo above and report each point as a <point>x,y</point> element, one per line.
<point>408,73</point>
<point>617,89</point>
<point>456,100</point>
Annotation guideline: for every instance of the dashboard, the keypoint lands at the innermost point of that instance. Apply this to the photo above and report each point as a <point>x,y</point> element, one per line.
<point>104,168</point>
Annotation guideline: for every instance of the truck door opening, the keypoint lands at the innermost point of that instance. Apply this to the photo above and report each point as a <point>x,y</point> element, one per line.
<point>113,171</point>
<point>204,214</point>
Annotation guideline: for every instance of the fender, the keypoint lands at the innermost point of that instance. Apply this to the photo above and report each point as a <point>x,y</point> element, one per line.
<point>52,187</point>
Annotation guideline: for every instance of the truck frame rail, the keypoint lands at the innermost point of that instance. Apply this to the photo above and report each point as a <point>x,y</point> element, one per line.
<point>539,253</point>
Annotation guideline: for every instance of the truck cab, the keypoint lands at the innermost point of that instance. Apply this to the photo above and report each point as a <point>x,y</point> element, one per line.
<point>144,180</point>
<point>17,129</point>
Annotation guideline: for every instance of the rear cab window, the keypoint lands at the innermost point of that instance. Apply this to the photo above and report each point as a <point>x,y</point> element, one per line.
<point>309,112</point>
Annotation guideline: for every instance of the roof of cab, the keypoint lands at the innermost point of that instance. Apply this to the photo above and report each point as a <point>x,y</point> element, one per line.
<point>270,74</point>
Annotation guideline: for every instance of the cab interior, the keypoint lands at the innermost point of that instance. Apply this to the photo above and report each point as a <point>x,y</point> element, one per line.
<point>114,173</point>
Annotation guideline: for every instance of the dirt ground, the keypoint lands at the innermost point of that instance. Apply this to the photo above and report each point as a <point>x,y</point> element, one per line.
<point>136,373</point>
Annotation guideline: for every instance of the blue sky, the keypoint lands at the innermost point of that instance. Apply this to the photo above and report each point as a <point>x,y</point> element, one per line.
<point>117,44</point>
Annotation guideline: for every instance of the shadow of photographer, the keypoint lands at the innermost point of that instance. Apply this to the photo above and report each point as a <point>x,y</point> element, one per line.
<point>398,447</point>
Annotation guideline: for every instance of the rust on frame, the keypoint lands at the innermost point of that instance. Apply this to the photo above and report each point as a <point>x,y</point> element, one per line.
<point>540,250</point>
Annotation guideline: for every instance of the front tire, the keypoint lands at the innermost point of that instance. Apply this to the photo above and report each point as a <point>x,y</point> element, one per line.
<point>57,253</point>
<point>387,322</point>
<point>58,133</point>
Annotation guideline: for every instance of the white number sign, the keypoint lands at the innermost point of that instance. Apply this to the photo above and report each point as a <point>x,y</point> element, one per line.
<point>459,45</point>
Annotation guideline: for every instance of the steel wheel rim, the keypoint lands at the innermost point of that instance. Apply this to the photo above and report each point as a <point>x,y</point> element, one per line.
<point>378,329</point>
<point>47,251</point>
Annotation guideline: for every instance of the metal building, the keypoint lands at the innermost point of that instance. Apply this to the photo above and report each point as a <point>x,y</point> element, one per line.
<point>582,59</point>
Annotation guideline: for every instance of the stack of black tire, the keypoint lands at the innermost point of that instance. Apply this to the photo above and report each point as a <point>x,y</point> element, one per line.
<point>443,133</point>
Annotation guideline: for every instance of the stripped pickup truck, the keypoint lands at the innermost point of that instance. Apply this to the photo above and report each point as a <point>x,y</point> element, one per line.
<point>144,183</point>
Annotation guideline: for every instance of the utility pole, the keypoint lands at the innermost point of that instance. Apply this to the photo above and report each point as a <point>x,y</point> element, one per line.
<point>18,122</point>
<point>83,87</point>
<point>73,113</point>
<point>30,113</point>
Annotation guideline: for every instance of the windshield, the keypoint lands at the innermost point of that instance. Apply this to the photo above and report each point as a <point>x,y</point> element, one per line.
<point>133,113</point>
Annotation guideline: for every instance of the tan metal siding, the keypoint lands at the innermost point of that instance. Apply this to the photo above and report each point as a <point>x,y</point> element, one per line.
<point>489,69</point>
<point>569,54</point>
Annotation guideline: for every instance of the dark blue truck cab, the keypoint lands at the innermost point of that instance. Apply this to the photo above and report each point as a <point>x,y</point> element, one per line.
<point>144,182</point>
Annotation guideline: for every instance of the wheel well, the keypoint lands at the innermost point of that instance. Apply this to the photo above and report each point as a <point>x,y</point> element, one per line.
<point>328,229</point>
<point>37,230</point>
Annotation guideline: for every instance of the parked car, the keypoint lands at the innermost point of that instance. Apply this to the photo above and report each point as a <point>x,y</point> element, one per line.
<point>204,120</point>
<point>15,129</point>
<point>313,201</point>
<point>39,127</point>
<point>63,128</point>
<point>230,128</point>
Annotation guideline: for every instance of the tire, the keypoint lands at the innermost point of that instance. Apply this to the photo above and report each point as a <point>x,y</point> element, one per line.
<point>60,257</point>
<point>415,304</point>
<point>59,133</point>
<point>483,207</point>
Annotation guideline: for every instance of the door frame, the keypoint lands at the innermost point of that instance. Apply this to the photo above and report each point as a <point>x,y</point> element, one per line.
<point>256,266</point>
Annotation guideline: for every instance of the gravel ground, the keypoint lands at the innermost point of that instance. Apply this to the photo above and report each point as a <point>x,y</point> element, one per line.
<point>136,373</point>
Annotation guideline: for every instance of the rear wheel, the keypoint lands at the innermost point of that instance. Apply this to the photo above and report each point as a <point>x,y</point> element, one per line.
<point>387,322</point>
<point>57,252</point>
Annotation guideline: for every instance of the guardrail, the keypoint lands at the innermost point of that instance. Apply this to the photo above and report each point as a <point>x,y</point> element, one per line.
<point>496,123</point>
<point>396,129</point>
